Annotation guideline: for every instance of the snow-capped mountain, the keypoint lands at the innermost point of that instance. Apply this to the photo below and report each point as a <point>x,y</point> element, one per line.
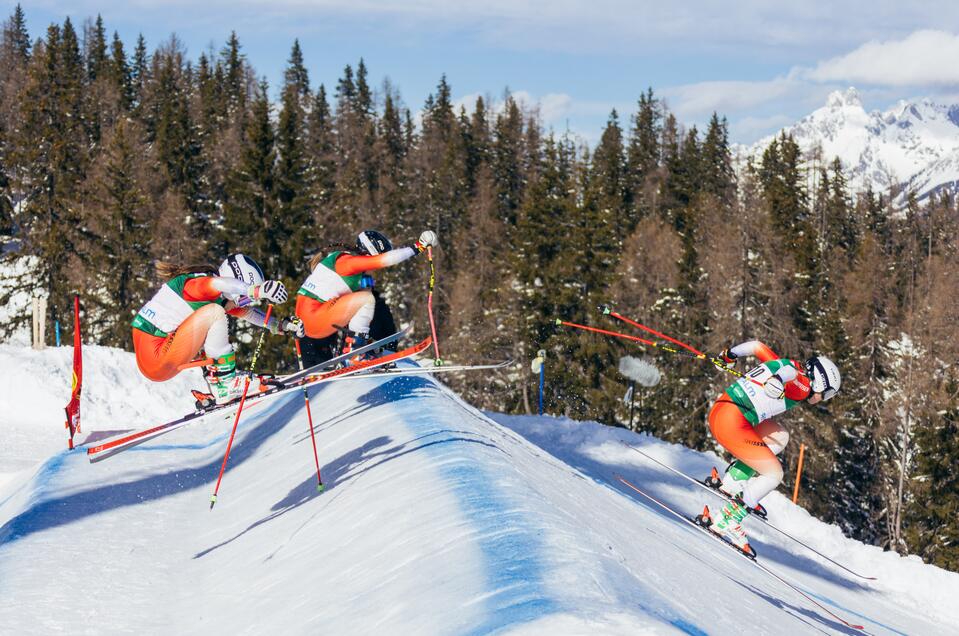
<point>913,145</point>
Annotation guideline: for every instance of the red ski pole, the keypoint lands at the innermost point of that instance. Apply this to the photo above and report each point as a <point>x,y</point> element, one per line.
<point>691,353</point>
<point>309,417</point>
<point>606,332</point>
<point>236,420</point>
<point>610,312</point>
<point>429,303</point>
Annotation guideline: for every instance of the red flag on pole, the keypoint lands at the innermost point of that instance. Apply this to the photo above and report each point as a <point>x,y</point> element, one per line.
<point>73,408</point>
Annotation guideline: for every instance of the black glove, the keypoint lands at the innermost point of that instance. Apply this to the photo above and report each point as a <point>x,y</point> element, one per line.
<point>728,356</point>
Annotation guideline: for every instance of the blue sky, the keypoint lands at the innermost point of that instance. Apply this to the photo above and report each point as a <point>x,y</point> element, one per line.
<point>760,65</point>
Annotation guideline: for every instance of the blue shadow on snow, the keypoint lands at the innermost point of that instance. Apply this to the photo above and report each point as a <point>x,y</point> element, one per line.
<point>51,513</point>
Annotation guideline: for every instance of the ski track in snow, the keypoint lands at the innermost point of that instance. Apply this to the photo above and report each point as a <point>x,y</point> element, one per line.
<point>436,520</point>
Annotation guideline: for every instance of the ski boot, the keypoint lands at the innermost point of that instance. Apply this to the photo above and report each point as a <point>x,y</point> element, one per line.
<point>353,340</point>
<point>732,484</point>
<point>226,382</point>
<point>728,525</point>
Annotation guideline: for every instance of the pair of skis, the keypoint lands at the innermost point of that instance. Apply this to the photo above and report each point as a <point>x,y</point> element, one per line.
<point>313,375</point>
<point>750,557</point>
<point>726,497</point>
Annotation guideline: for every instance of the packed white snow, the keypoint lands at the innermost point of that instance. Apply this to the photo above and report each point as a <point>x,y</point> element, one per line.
<point>436,519</point>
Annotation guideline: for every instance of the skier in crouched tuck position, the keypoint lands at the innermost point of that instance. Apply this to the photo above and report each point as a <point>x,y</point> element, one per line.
<point>337,294</point>
<point>741,421</point>
<point>189,314</point>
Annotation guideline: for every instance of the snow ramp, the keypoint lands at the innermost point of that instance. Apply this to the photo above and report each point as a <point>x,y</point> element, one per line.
<point>435,520</point>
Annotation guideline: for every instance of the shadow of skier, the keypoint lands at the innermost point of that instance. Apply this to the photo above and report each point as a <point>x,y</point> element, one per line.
<point>51,513</point>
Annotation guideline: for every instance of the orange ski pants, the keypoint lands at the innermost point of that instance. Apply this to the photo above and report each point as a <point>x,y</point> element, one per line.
<point>162,358</point>
<point>752,444</point>
<point>322,319</point>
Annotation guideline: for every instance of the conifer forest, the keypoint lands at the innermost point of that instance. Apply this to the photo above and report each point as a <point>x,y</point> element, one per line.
<point>115,154</point>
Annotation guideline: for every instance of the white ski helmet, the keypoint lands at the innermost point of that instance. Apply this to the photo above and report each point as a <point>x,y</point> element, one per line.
<point>372,242</point>
<point>243,268</point>
<point>824,376</point>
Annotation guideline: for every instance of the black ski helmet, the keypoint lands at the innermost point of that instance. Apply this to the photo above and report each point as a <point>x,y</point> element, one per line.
<point>243,268</point>
<point>372,242</point>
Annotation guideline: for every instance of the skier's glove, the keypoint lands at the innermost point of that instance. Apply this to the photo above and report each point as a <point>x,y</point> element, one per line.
<point>728,356</point>
<point>774,388</point>
<point>272,291</point>
<point>427,239</point>
<point>293,326</point>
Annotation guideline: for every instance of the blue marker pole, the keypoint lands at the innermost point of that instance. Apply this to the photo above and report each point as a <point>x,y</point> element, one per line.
<point>539,365</point>
<point>56,325</point>
<point>542,384</point>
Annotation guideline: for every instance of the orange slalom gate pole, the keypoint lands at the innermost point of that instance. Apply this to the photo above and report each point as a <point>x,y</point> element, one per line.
<point>236,420</point>
<point>802,450</point>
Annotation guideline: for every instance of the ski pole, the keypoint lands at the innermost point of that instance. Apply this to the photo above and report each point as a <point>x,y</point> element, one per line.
<point>624,336</point>
<point>309,417</point>
<point>236,420</point>
<point>720,364</point>
<point>437,361</point>
<point>689,354</point>
<point>606,310</point>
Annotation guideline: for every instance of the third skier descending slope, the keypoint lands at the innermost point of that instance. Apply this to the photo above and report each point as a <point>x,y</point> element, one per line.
<point>741,421</point>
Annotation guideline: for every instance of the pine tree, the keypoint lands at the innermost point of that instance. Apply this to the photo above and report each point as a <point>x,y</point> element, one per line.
<point>14,58</point>
<point>235,63</point>
<point>140,71</point>
<point>506,153</point>
<point>364,96</point>
<point>718,179</point>
<point>931,529</point>
<point>171,128</point>
<point>296,75</point>
<point>609,193</point>
<point>120,73</point>
<point>250,205</point>
<point>643,155</point>
<point>321,170</point>
<point>16,39</point>
<point>124,221</point>
<point>293,214</point>
<point>97,59</point>
<point>477,140</point>
<point>346,91</point>
<point>51,152</point>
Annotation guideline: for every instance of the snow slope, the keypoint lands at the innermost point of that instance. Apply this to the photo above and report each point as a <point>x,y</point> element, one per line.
<point>436,520</point>
<point>914,144</point>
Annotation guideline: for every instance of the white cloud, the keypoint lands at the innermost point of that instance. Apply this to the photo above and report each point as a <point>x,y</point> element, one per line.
<point>728,96</point>
<point>924,58</point>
